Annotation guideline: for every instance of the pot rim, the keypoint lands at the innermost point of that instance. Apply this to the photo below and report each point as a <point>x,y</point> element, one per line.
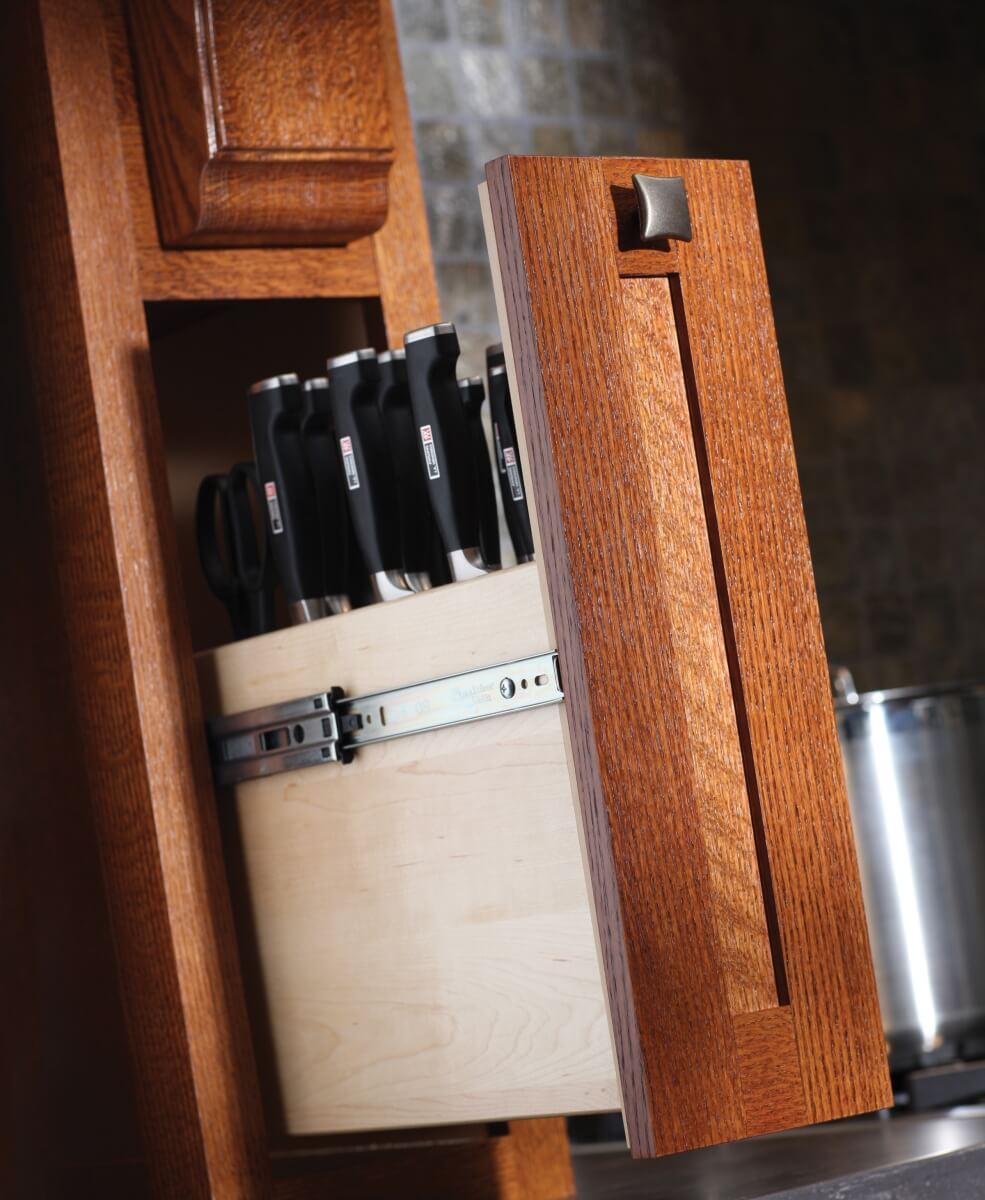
<point>905,695</point>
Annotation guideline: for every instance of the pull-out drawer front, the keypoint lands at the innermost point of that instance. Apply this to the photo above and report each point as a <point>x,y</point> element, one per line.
<point>683,607</point>
<point>420,916</point>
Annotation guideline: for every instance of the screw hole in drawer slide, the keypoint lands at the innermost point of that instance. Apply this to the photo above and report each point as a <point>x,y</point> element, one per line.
<point>329,726</point>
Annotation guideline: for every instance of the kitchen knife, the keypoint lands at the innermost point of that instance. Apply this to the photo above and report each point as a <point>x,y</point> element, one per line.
<point>333,516</point>
<point>291,508</point>
<point>473,392</point>
<point>443,442</point>
<point>511,483</point>
<point>370,488</point>
<point>417,529</point>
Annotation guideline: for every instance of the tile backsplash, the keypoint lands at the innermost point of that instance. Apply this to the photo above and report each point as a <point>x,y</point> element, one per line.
<point>865,127</point>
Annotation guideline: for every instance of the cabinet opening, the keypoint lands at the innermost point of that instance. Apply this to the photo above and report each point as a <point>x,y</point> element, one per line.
<point>205,355</point>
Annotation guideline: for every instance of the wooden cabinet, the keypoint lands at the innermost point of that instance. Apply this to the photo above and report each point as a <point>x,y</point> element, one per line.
<point>265,124</point>
<point>645,897</point>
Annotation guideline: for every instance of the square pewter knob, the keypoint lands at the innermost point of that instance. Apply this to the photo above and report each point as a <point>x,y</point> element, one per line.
<point>663,207</point>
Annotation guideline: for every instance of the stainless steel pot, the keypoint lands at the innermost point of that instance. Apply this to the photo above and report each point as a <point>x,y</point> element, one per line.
<point>915,767</point>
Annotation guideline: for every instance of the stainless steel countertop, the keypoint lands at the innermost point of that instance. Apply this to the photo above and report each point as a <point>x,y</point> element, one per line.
<point>898,1155</point>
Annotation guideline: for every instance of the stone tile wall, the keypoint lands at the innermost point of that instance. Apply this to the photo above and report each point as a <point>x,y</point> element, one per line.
<point>865,127</point>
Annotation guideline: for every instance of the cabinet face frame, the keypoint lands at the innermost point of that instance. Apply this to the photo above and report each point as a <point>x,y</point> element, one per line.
<point>656,371</point>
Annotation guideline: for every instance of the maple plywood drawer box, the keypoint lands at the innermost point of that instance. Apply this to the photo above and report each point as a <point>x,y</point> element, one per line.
<point>645,895</point>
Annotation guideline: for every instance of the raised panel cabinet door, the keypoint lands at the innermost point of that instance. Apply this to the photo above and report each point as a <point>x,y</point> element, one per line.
<point>670,530</point>
<point>265,123</point>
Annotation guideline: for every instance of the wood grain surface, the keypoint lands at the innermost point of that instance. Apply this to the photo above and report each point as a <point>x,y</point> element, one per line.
<point>773,631</point>
<point>408,291</point>
<point>244,273</point>
<point>694,651</point>
<point>87,254</point>
<point>641,593</point>
<point>266,124</point>
<point>590,464</point>
<point>420,916</point>
<point>541,1161</point>
<point>65,1094</point>
<point>145,760</point>
<point>772,1088</point>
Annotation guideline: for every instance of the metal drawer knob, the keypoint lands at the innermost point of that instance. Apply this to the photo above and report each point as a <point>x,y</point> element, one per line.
<point>663,208</point>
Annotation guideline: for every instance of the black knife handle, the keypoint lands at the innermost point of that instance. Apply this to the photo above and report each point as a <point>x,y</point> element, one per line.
<point>318,436</point>
<point>370,488</point>
<point>417,529</point>
<point>290,506</point>
<point>251,549</point>
<point>443,442</point>
<point>511,484</point>
<point>473,392</point>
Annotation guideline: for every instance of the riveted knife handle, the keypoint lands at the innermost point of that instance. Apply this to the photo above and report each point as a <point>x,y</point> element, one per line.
<point>473,393</point>
<point>417,528</point>
<point>443,442</point>
<point>354,383</point>
<point>511,482</point>
<point>290,507</point>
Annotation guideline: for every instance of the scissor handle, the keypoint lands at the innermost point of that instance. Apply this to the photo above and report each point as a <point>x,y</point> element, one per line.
<point>211,507</point>
<point>249,549</point>
<point>253,561</point>
<point>234,557</point>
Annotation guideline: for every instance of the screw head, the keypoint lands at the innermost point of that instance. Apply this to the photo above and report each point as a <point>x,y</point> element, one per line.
<point>507,688</point>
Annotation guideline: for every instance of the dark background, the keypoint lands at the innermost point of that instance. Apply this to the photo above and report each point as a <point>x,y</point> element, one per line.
<point>864,123</point>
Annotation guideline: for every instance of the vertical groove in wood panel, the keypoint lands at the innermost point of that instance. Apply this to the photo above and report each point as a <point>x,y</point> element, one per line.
<point>717,777</point>
<point>728,631</point>
<point>779,652</point>
<point>581,398</point>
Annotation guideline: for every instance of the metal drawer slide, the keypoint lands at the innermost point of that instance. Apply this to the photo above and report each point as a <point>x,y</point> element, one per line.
<point>330,726</point>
